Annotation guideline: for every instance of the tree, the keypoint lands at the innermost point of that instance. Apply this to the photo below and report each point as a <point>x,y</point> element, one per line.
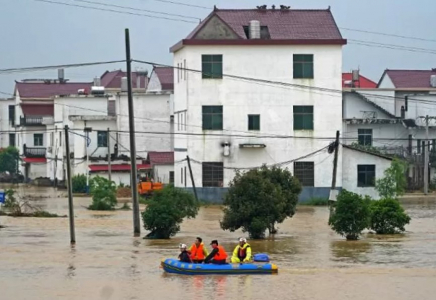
<point>9,158</point>
<point>259,199</point>
<point>387,217</point>
<point>103,194</point>
<point>79,183</point>
<point>166,210</point>
<point>394,183</point>
<point>351,214</point>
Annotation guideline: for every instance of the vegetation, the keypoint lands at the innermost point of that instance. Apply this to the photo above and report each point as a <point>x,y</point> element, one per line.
<point>9,159</point>
<point>259,199</point>
<point>103,194</point>
<point>368,148</point>
<point>387,216</point>
<point>394,183</point>
<point>166,210</point>
<point>79,183</point>
<point>316,201</point>
<point>351,215</point>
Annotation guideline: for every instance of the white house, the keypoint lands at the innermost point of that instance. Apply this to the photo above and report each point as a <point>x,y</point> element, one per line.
<point>7,123</point>
<point>225,121</point>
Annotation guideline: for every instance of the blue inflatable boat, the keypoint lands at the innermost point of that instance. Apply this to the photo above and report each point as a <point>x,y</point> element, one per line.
<point>171,265</point>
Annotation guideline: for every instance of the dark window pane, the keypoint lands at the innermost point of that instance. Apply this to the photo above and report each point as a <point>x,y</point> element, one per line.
<point>298,70</point>
<point>365,137</point>
<point>12,139</point>
<point>303,66</point>
<point>213,174</point>
<point>366,175</point>
<point>253,122</point>
<point>101,138</point>
<point>303,117</point>
<point>212,117</point>
<point>305,172</point>
<point>212,66</point>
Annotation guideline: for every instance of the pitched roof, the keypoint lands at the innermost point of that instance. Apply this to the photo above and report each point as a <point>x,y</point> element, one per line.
<point>38,109</point>
<point>291,26</point>
<point>41,90</point>
<point>372,103</point>
<point>410,78</point>
<point>166,77</point>
<point>161,158</point>
<point>367,152</point>
<point>112,79</point>
<point>363,82</point>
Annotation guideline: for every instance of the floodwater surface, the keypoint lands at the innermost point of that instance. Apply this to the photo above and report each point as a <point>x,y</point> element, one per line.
<point>37,261</point>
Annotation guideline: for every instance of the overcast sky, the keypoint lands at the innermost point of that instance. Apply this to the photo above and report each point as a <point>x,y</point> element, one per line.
<point>36,33</point>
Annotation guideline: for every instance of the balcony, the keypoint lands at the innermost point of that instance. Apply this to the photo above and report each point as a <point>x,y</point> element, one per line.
<point>34,152</point>
<point>31,121</point>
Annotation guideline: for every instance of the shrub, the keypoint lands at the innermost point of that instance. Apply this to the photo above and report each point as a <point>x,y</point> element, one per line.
<point>166,210</point>
<point>103,194</point>
<point>259,199</point>
<point>9,159</point>
<point>387,217</point>
<point>394,182</point>
<point>316,202</point>
<point>351,215</point>
<point>79,183</point>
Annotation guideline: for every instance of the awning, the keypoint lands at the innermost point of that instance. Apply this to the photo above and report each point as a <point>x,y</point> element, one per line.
<point>35,160</point>
<point>117,167</point>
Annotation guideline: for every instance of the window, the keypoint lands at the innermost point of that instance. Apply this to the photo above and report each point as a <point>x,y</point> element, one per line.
<point>253,122</point>
<point>365,137</point>
<point>12,115</point>
<point>185,177</point>
<point>38,139</point>
<point>52,139</point>
<point>212,66</point>
<point>303,66</point>
<point>366,175</point>
<point>213,173</point>
<point>172,177</point>
<point>305,172</point>
<point>184,67</point>
<point>12,139</point>
<point>181,175</point>
<point>60,138</point>
<point>101,138</point>
<point>212,117</point>
<point>418,146</point>
<point>303,117</point>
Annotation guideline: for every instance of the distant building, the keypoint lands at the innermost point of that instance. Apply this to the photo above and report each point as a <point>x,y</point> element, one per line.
<point>361,82</point>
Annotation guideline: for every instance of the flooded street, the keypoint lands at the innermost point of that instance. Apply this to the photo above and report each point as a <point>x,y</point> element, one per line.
<point>37,262</point>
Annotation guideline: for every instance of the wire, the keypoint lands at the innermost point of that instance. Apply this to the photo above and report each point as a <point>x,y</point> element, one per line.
<point>388,34</point>
<point>182,4</point>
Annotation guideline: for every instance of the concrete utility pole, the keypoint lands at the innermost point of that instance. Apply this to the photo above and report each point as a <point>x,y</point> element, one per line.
<point>192,177</point>
<point>70,188</point>
<point>333,191</point>
<point>134,175</point>
<point>426,151</point>
<point>109,154</point>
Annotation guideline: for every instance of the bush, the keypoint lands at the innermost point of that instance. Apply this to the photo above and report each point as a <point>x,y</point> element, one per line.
<point>351,214</point>
<point>394,182</point>
<point>166,210</point>
<point>316,202</point>
<point>103,194</point>
<point>9,159</point>
<point>387,217</point>
<point>259,199</point>
<point>79,183</point>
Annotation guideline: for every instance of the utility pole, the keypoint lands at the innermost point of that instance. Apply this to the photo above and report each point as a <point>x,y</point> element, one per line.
<point>109,156</point>
<point>70,188</point>
<point>135,204</point>
<point>333,191</point>
<point>192,177</point>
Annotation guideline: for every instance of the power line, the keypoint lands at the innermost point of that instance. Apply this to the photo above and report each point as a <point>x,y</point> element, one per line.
<point>182,4</point>
<point>388,34</point>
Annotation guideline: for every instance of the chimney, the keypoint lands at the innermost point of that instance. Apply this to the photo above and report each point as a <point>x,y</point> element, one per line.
<point>61,76</point>
<point>124,84</point>
<point>254,29</point>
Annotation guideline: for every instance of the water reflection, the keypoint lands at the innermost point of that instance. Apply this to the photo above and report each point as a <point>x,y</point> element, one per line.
<point>350,251</point>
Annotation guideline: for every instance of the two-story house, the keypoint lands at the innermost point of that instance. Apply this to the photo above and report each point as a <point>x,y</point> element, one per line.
<point>244,97</point>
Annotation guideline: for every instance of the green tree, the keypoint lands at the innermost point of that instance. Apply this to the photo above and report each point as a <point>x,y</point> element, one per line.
<point>79,183</point>
<point>351,214</point>
<point>259,199</point>
<point>166,210</point>
<point>387,217</point>
<point>9,159</point>
<point>103,194</point>
<point>394,182</point>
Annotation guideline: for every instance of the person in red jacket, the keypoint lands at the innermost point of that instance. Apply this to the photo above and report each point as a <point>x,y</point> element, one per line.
<point>217,256</point>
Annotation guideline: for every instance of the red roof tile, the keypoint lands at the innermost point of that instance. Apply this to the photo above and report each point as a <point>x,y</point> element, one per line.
<point>116,167</point>
<point>410,78</point>
<point>161,158</point>
<point>363,82</point>
<point>166,77</point>
<point>35,160</point>
<point>113,79</point>
<point>38,109</point>
<point>29,90</point>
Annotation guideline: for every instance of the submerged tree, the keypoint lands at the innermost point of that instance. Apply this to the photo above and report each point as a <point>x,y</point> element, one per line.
<point>387,217</point>
<point>103,193</point>
<point>259,199</point>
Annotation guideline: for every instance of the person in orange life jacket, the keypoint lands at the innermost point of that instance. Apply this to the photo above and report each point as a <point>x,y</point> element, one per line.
<point>197,251</point>
<point>242,252</point>
<point>217,256</point>
<point>184,255</point>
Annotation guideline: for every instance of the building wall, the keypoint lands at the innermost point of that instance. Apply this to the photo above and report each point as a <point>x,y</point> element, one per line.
<point>162,173</point>
<point>274,103</point>
<point>37,170</point>
<point>351,159</point>
<point>355,107</point>
<point>117,177</point>
<point>5,125</point>
<point>154,84</point>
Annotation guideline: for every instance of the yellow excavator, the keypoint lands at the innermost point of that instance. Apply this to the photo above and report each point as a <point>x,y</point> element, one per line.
<point>147,186</point>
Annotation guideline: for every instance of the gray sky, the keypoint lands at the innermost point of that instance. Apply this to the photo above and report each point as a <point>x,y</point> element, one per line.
<point>36,33</point>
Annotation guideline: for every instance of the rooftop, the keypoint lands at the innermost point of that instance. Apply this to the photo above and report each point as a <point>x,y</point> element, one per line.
<point>363,82</point>
<point>160,158</point>
<point>42,90</point>
<point>166,77</point>
<point>112,79</point>
<point>409,78</point>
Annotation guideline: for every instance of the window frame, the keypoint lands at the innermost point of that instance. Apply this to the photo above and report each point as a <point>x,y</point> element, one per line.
<point>301,169</point>
<point>297,115</point>
<point>364,136</point>
<point>212,61</point>
<point>13,137</point>
<point>366,173</point>
<point>252,123</point>
<point>209,124</point>
<point>171,177</point>
<point>215,173</point>
<point>40,138</point>
<point>301,63</point>
<point>101,143</point>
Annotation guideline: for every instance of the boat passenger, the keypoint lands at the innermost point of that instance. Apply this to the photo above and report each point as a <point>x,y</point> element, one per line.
<point>217,256</point>
<point>184,255</point>
<point>197,251</point>
<point>242,252</point>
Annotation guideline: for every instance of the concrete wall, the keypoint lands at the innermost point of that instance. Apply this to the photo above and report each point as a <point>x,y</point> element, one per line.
<point>162,173</point>
<point>274,103</point>
<point>117,177</point>
<point>154,84</point>
<point>355,107</point>
<point>37,170</point>
<point>4,122</point>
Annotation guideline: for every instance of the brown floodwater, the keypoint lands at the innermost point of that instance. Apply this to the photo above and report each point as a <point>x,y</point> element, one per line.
<point>37,262</point>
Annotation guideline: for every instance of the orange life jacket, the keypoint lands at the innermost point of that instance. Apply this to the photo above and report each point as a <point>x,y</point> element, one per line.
<point>197,253</point>
<point>221,254</point>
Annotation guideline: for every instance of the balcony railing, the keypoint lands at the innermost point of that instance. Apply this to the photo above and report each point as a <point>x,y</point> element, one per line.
<point>31,121</point>
<point>34,152</point>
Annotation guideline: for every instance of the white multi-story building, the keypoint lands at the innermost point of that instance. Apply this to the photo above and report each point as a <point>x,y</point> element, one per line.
<point>7,123</point>
<point>230,112</point>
